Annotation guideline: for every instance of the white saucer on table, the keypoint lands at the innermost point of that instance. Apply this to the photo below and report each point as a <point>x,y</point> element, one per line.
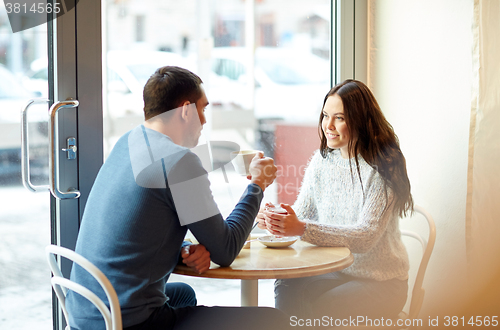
<point>277,242</point>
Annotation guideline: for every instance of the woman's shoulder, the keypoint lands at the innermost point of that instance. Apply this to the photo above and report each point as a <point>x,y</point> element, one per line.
<point>316,160</point>
<point>314,164</point>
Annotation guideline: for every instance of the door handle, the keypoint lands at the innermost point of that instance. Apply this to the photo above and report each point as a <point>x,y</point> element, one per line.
<point>55,151</point>
<point>25,156</point>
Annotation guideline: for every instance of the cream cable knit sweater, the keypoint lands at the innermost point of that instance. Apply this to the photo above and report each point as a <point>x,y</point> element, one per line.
<point>331,202</point>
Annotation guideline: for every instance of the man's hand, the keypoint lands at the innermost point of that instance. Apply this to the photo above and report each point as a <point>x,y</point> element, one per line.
<point>262,170</point>
<point>197,257</point>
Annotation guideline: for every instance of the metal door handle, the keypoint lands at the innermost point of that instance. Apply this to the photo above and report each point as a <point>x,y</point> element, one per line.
<point>54,151</point>
<point>25,156</point>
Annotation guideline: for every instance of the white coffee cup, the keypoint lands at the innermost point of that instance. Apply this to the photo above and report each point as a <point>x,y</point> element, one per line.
<point>277,209</point>
<point>241,160</point>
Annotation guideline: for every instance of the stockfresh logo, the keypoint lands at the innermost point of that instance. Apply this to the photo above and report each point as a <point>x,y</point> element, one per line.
<point>25,14</point>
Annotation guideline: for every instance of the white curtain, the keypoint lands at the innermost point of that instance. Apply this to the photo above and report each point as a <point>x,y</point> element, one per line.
<point>483,178</point>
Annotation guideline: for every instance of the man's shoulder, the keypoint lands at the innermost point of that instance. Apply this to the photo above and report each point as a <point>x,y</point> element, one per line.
<point>147,146</point>
<point>187,167</point>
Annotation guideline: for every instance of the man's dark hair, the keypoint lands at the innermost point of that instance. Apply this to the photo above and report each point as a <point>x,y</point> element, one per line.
<point>167,88</point>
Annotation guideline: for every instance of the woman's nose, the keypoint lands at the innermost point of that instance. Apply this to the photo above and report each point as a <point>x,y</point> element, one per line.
<point>330,124</point>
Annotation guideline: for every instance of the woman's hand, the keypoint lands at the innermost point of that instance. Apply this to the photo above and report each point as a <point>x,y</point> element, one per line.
<point>261,221</point>
<point>284,224</point>
<point>197,257</point>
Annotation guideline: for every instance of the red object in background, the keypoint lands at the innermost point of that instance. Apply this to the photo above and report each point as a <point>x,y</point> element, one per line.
<point>294,146</point>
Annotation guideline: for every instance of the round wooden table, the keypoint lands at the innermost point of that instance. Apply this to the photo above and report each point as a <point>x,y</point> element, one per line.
<point>301,259</point>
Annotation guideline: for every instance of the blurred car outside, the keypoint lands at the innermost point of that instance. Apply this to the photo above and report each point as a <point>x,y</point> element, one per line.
<point>126,74</point>
<point>13,97</point>
<point>290,85</point>
<point>36,79</point>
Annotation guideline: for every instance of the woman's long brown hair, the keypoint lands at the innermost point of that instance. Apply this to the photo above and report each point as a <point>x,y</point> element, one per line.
<point>374,139</point>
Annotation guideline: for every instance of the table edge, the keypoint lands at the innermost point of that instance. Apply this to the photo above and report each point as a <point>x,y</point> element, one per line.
<point>221,272</point>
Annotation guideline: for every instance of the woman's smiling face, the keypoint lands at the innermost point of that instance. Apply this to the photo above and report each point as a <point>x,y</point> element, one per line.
<point>334,126</point>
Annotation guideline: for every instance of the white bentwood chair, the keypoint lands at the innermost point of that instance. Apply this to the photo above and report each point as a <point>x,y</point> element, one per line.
<point>418,292</point>
<point>112,316</point>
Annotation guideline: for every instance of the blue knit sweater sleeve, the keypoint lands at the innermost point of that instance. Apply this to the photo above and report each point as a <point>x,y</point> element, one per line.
<point>225,238</point>
<point>197,209</point>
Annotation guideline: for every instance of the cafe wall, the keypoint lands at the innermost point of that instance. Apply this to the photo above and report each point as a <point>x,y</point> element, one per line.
<point>420,69</point>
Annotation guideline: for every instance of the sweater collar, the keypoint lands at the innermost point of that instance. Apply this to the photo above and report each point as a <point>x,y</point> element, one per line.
<point>341,162</point>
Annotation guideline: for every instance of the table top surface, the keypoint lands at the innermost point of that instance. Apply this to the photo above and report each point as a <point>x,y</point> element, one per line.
<point>301,259</point>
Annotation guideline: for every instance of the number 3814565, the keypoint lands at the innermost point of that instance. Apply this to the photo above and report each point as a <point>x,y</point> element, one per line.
<point>36,8</point>
<point>472,321</point>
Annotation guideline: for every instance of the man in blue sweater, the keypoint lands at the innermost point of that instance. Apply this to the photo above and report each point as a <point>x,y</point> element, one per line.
<point>149,192</point>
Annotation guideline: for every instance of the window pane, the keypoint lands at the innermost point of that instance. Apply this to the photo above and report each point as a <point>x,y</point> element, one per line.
<point>271,103</point>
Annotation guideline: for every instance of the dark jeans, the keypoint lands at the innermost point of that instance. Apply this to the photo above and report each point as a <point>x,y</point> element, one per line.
<point>181,313</point>
<point>340,296</point>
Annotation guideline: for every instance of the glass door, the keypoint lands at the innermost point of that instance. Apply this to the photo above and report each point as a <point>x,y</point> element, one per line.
<point>35,56</point>
<point>75,60</point>
<point>25,292</point>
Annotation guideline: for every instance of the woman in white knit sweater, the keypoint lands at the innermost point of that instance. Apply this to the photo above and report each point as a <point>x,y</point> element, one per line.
<point>354,190</point>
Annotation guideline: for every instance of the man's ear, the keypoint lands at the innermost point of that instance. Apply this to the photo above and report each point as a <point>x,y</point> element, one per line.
<point>185,110</point>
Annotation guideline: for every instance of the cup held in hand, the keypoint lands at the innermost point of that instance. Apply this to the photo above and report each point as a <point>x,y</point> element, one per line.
<point>276,209</point>
<point>241,160</point>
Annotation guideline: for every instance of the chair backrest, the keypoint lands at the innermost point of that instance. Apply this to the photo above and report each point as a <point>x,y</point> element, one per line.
<point>418,292</point>
<point>112,316</point>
